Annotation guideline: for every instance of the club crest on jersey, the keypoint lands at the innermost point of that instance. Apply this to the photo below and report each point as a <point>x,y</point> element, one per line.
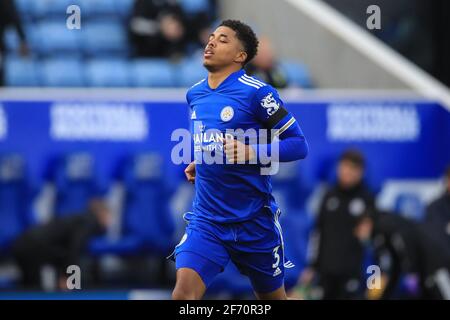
<point>227,114</point>
<point>270,104</point>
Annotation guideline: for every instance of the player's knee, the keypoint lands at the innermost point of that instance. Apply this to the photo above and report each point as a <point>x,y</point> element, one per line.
<point>189,285</point>
<point>183,293</point>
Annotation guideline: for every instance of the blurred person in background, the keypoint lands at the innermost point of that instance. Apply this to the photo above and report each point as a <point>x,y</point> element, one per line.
<point>199,26</point>
<point>404,247</point>
<point>10,18</point>
<point>437,219</point>
<point>59,243</point>
<point>158,29</point>
<point>265,67</point>
<point>336,255</point>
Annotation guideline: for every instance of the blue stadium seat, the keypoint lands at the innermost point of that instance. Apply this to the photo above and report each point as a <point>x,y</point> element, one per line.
<point>297,74</point>
<point>409,205</point>
<point>12,41</point>
<point>291,187</point>
<point>152,73</point>
<point>51,38</point>
<point>21,72</point>
<point>76,182</point>
<point>60,72</point>
<point>190,71</point>
<point>15,199</point>
<point>51,8</point>
<point>25,9</point>
<point>102,38</point>
<point>126,245</point>
<point>147,226</point>
<point>124,7</point>
<point>108,73</point>
<point>192,7</point>
<point>145,211</point>
<point>98,8</point>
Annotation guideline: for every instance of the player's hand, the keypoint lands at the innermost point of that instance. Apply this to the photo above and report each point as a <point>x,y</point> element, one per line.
<point>238,152</point>
<point>190,172</point>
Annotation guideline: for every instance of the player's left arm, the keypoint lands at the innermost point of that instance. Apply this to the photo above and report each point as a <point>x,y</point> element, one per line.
<point>285,139</point>
<point>286,131</point>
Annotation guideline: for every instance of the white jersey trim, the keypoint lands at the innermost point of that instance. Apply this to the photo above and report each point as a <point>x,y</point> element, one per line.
<point>255,81</point>
<point>249,83</point>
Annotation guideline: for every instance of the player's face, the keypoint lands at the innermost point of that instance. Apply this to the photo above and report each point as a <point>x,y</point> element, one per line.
<point>223,49</point>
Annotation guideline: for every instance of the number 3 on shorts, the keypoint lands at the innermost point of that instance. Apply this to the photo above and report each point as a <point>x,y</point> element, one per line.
<point>276,256</point>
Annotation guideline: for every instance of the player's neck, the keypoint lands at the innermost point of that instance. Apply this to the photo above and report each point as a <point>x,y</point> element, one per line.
<point>215,78</point>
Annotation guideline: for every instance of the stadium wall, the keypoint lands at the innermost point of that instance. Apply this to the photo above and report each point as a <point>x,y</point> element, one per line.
<point>411,133</point>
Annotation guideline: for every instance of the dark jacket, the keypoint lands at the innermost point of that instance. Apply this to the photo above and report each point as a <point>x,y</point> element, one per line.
<point>147,38</point>
<point>60,242</point>
<point>437,220</point>
<point>405,246</point>
<point>9,17</point>
<point>338,251</point>
<point>275,76</point>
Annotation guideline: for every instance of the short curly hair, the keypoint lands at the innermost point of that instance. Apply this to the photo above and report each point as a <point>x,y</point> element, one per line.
<point>246,36</point>
<point>354,156</point>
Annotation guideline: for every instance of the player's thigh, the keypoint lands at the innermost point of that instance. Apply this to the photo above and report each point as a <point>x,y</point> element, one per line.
<point>278,294</point>
<point>202,254</point>
<point>194,274</point>
<point>189,285</point>
<point>265,271</point>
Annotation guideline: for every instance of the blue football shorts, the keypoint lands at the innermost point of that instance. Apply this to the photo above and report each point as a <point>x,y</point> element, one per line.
<point>256,247</point>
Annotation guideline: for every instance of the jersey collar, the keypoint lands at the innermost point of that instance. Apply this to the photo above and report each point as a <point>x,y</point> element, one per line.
<point>230,79</point>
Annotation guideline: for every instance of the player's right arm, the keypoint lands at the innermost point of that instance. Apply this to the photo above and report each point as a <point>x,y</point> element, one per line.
<point>190,172</point>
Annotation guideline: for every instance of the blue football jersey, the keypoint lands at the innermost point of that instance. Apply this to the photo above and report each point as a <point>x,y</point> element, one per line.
<point>231,192</point>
